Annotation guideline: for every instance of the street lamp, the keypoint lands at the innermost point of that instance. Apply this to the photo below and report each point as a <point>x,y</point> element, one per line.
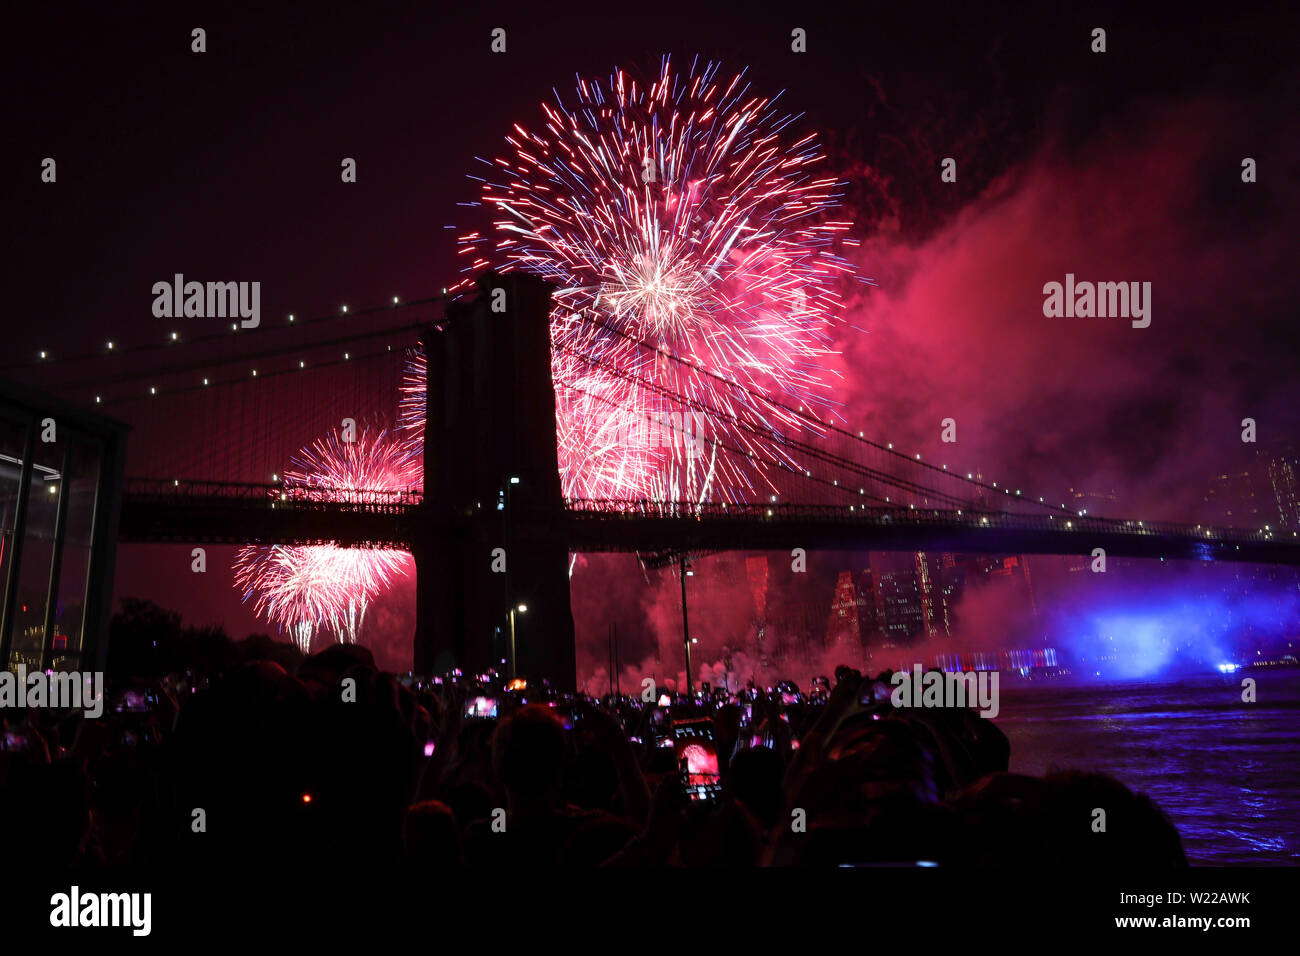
<point>522,609</point>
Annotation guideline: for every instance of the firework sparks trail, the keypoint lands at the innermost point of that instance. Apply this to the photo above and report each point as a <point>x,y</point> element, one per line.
<point>304,589</point>
<point>673,215</point>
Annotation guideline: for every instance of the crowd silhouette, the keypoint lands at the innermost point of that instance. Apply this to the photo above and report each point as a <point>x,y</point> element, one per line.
<point>263,754</point>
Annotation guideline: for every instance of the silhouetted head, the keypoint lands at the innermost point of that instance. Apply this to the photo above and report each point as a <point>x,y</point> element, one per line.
<point>1097,821</point>
<point>431,835</point>
<point>528,752</point>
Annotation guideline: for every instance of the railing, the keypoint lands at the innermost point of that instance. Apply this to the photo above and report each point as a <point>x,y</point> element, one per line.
<point>276,496</point>
<point>915,517</point>
<point>386,501</point>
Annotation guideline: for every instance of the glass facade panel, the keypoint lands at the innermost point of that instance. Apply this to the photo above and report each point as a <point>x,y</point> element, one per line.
<point>13,436</point>
<point>56,556</point>
<point>81,487</point>
<point>27,635</point>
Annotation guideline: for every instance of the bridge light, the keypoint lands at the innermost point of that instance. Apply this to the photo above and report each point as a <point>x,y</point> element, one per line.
<point>176,482</point>
<point>523,608</point>
<point>774,497</point>
<point>42,355</point>
<point>345,310</point>
<point>254,373</point>
<point>152,390</point>
<point>970,476</point>
<point>290,316</point>
<point>96,399</point>
<point>234,327</point>
<point>891,444</point>
<point>110,346</point>
<point>860,435</point>
<point>205,381</point>
<point>918,457</point>
<point>274,476</point>
<point>346,355</point>
<point>53,488</point>
<point>174,336</point>
<point>302,364</point>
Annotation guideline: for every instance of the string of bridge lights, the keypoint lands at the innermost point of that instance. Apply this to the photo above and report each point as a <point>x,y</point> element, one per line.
<point>263,354</point>
<point>114,347</point>
<point>208,382</point>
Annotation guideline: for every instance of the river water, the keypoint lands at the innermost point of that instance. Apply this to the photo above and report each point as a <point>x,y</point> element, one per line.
<point>1227,773</point>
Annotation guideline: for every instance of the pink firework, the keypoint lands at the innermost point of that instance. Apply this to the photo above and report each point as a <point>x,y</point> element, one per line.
<point>676,220</point>
<point>364,468</point>
<point>305,589</point>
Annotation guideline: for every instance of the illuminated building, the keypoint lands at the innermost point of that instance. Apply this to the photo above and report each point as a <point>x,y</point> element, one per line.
<point>60,491</point>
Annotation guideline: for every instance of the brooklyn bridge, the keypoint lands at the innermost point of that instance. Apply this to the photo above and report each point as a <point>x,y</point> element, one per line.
<point>214,416</point>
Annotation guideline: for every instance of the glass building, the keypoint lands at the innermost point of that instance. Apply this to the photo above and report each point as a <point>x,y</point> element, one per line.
<point>60,495</point>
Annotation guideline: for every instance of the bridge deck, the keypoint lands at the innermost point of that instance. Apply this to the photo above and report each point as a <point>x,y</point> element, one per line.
<point>236,513</point>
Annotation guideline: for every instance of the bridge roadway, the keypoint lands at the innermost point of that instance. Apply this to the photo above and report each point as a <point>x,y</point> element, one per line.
<point>227,513</point>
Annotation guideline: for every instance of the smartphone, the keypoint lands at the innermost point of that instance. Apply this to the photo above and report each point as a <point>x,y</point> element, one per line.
<point>134,702</point>
<point>697,759</point>
<point>481,707</point>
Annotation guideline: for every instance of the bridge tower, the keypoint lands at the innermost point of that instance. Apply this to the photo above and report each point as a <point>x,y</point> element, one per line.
<point>491,534</point>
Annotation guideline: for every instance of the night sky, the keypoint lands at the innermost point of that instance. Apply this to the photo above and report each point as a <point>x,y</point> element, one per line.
<point>1117,166</point>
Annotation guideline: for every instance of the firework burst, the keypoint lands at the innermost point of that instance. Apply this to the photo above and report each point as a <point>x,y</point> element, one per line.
<point>676,215</point>
<point>307,589</point>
